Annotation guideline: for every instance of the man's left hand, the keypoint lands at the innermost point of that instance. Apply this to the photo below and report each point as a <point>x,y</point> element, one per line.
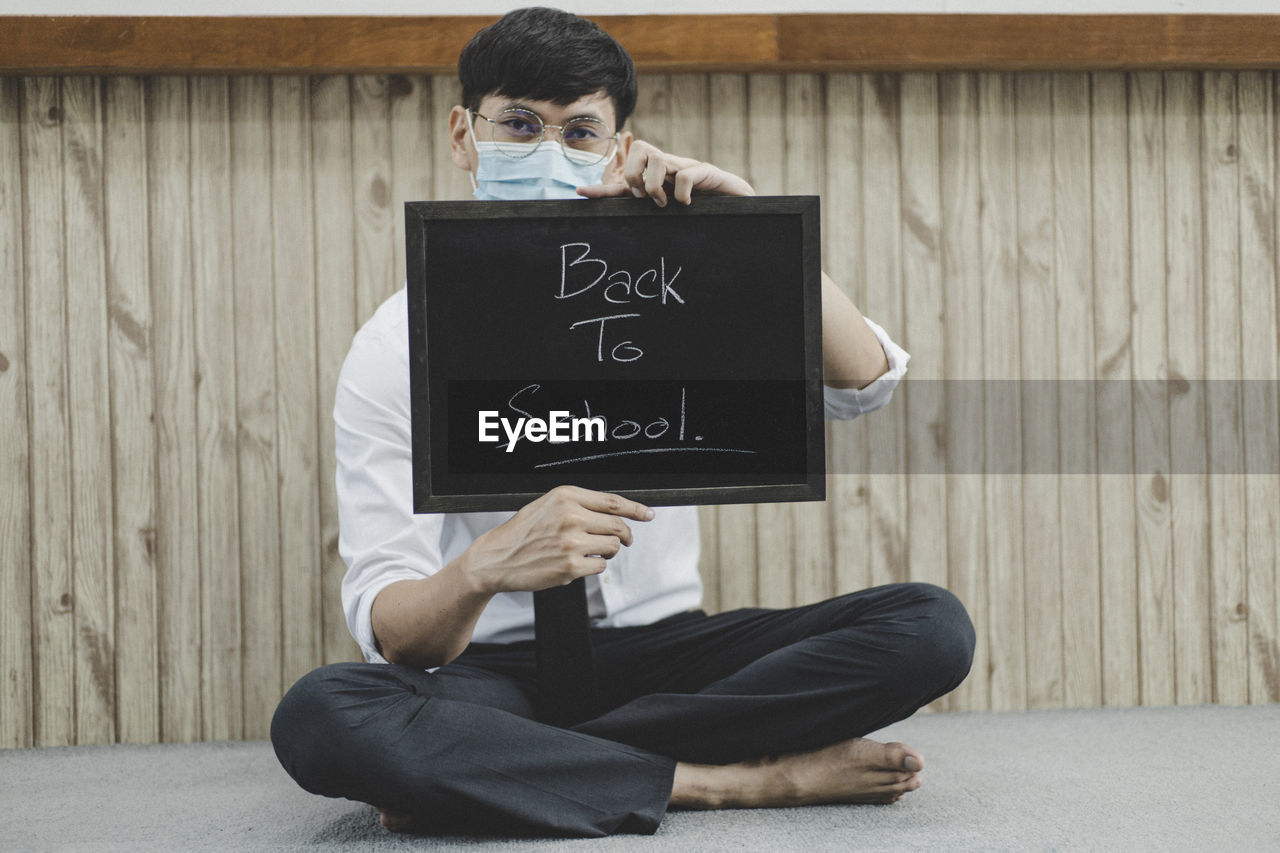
<point>650,171</point>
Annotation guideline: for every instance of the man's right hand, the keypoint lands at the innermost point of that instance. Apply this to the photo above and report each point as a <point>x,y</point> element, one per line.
<point>566,534</point>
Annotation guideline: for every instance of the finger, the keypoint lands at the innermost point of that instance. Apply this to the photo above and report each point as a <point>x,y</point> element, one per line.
<point>584,566</point>
<point>689,179</point>
<point>604,524</point>
<point>612,504</point>
<point>613,190</point>
<point>601,546</point>
<point>633,169</point>
<point>655,175</point>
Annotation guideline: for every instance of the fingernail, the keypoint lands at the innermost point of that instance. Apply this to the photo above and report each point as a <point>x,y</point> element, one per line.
<point>637,192</point>
<point>648,515</point>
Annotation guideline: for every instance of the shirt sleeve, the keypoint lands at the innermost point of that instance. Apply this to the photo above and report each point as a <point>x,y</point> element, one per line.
<point>846,403</point>
<point>380,537</point>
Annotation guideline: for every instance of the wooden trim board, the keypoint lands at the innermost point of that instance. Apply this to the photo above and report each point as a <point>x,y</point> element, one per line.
<point>802,42</point>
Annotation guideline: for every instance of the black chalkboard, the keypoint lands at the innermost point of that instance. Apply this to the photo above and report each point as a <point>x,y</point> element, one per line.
<point>694,333</point>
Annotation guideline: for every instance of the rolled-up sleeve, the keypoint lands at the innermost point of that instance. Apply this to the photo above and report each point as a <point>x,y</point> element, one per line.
<point>380,537</point>
<point>846,403</point>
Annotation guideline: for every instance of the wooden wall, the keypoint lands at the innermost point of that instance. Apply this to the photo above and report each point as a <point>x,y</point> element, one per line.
<point>183,261</point>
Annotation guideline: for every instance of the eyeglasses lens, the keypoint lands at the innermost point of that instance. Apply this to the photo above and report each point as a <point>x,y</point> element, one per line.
<point>584,140</point>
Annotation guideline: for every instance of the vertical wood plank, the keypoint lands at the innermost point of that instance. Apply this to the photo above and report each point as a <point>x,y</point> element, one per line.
<point>177,531</point>
<point>133,438</point>
<point>51,569</point>
<point>371,152</point>
<point>295,359</point>
<point>689,134</point>
<point>847,447</point>
<point>251,191</point>
<point>735,524</point>
<point>334,227</point>
<point>91,519</point>
<point>1113,370</point>
<point>1150,404</point>
<point>1223,368</point>
<point>803,112</point>
<point>1037,312</point>
<point>15,510</point>
<point>960,244</point>
<point>1184,260</point>
<point>766,157</point>
<point>1078,483</point>
<point>216,483</point>
<point>882,272</point>
<point>924,409</point>
<point>413,136</point>
<point>1003,533</point>
<point>652,118</point>
<point>1261,348</point>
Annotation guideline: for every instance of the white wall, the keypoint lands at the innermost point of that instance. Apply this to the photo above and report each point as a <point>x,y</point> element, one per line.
<point>619,7</point>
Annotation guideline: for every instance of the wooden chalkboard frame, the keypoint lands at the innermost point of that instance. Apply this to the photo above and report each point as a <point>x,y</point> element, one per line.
<point>419,217</point>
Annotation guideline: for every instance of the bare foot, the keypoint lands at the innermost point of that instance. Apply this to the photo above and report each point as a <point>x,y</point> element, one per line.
<point>394,822</point>
<point>853,771</point>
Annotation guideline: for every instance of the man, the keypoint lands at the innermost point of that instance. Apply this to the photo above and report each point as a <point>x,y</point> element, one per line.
<point>744,709</point>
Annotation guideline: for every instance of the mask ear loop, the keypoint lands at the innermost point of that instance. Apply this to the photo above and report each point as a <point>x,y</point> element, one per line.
<point>475,143</point>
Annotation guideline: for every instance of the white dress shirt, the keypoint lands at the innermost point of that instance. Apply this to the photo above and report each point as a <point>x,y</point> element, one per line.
<point>383,541</point>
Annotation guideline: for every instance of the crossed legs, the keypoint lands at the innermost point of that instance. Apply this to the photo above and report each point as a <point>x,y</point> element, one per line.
<point>750,708</point>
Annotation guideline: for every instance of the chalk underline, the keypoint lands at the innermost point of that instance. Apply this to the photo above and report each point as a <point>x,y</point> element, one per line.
<point>646,450</point>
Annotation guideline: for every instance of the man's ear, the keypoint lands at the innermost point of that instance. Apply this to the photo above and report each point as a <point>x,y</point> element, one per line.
<point>613,174</point>
<point>461,151</point>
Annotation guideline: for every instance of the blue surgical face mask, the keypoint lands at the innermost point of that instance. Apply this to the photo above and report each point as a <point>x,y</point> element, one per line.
<point>546,173</point>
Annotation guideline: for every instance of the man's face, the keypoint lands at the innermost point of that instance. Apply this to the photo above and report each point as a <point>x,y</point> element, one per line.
<point>598,106</point>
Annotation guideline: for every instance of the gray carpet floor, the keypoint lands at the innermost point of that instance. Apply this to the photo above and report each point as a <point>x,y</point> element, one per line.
<point>1190,778</point>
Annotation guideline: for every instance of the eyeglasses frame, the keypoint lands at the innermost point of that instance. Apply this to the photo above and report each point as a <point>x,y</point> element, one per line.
<point>613,138</point>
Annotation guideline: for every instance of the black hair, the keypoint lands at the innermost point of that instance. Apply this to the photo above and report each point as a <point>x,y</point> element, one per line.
<point>547,55</point>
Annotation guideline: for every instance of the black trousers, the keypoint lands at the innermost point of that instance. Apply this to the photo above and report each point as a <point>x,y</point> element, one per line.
<point>460,748</point>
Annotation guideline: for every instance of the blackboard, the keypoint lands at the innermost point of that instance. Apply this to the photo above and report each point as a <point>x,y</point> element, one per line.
<point>694,333</point>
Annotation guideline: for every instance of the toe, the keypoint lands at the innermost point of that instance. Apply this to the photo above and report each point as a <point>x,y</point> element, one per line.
<point>901,756</point>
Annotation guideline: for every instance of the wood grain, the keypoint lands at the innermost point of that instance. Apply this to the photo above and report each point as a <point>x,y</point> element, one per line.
<point>189,257</point>
<point>1228,615</point>
<point>256,439</point>
<point>1259,347</point>
<point>1002,451</point>
<point>1041,551</point>
<point>810,42</point>
<point>177,515</point>
<point>16,676</point>
<point>1184,262</point>
<point>1151,403</point>
<point>133,437</point>
<point>52,602</point>
<point>1113,367</point>
<point>293,259</point>
<point>88,389</point>
<point>960,246</point>
<point>1077,486</point>
<point>222,712</point>
<point>335,301</point>
<point>376,246</point>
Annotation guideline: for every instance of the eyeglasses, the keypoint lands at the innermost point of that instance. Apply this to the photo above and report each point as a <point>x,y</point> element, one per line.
<point>517,134</point>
